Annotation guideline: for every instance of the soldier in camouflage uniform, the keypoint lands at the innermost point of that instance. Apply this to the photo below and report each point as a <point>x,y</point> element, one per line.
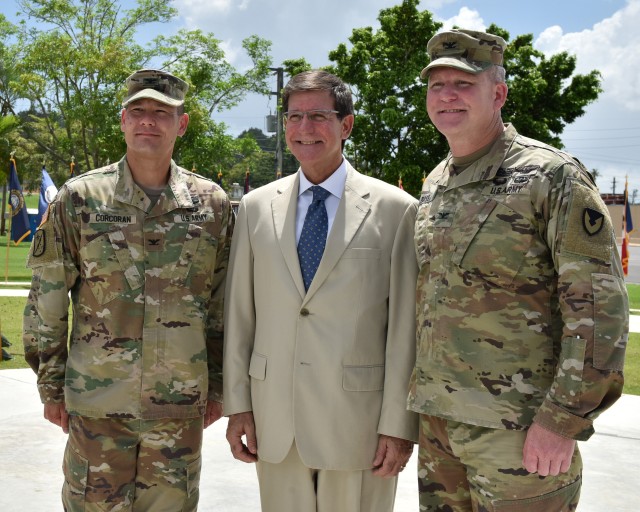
<point>141,247</point>
<point>522,307</point>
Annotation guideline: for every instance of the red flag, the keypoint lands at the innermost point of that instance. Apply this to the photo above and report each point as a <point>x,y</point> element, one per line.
<point>627,227</point>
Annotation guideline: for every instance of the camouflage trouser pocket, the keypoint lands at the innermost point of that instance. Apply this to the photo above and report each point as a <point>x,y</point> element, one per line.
<point>193,477</point>
<point>75,469</point>
<point>564,499</point>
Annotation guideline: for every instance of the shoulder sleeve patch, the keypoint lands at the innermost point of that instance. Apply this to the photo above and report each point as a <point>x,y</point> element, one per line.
<point>44,247</point>
<point>589,230</point>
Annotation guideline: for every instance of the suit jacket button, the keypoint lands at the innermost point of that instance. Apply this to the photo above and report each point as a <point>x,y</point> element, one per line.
<point>304,312</point>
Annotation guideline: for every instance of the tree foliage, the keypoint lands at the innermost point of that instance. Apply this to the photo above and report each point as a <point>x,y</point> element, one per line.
<point>544,94</point>
<point>71,62</point>
<point>261,164</point>
<point>393,137</point>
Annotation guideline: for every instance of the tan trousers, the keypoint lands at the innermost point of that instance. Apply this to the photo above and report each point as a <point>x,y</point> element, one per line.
<point>290,486</point>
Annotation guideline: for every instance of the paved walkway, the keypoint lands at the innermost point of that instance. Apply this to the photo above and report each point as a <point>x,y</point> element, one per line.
<point>31,453</point>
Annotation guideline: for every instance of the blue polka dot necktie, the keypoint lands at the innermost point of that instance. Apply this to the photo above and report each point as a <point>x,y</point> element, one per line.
<point>313,236</point>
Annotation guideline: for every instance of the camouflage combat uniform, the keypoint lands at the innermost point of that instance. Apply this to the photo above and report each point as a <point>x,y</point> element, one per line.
<point>146,282</point>
<point>522,307</point>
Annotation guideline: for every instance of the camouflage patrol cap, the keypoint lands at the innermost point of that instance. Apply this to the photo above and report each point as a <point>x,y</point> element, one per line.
<point>157,85</point>
<point>466,50</point>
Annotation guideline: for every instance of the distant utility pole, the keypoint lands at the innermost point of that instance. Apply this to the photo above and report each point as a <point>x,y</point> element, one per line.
<point>634,195</point>
<point>613,186</point>
<point>279,72</point>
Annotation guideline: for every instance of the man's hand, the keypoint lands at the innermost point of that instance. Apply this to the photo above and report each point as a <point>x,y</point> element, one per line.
<point>392,456</point>
<point>239,425</point>
<point>213,413</point>
<point>57,414</point>
<point>545,452</point>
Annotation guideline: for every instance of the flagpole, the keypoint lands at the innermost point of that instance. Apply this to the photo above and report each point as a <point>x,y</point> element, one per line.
<point>624,251</point>
<point>6,259</point>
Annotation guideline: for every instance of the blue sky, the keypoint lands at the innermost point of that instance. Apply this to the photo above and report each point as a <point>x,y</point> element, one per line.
<point>603,34</point>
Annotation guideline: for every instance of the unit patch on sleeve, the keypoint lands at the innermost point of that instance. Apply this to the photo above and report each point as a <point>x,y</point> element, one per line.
<point>592,221</point>
<point>44,249</point>
<point>588,229</point>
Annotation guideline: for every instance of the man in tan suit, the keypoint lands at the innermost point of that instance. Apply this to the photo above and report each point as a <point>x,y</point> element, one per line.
<point>317,363</point>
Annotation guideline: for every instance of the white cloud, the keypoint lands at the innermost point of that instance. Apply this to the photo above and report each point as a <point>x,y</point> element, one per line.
<point>470,19</point>
<point>610,47</point>
<point>195,12</point>
<point>231,51</point>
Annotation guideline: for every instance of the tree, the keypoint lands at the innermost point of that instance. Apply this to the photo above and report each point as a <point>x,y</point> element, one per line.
<point>74,59</point>
<point>7,68</point>
<point>73,63</point>
<point>393,136</point>
<point>544,94</point>
<point>215,86</point>
<point>261,164</point>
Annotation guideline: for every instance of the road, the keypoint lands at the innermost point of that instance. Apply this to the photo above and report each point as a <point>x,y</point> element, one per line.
<point>634,265</point>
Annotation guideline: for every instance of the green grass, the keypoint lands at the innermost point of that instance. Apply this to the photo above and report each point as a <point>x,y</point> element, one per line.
<point>11,309</point>
<point>11,316</point>
<point>14,260</point>
<point>14,257</point>
<point>634,296</point>
<point>632,366</point>
<point>31,200</point>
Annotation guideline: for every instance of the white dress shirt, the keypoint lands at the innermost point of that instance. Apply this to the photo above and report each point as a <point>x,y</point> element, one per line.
<point>334,184</point>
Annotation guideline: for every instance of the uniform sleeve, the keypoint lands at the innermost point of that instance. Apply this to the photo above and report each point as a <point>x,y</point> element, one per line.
<point>53,260</point>
<point>215,329</point>
<point>240,319</point>
<point>395,419</point>
<point>592,305</point>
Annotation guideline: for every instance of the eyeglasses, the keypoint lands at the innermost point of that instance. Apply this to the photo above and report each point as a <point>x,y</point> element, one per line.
<point>315,116</point>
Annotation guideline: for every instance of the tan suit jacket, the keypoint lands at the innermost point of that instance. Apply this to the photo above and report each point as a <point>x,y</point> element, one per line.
<point>329,367</point>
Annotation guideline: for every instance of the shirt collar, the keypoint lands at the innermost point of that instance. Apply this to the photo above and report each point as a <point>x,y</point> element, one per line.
<point>334,183</point>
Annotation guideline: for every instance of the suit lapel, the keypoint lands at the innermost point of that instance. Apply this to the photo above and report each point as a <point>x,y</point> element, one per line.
<point>352,211</point>
<point>283,209</point>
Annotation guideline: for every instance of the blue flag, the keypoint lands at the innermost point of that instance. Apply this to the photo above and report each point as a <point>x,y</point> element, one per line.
<point>48,193</point>
<point>19,216</point>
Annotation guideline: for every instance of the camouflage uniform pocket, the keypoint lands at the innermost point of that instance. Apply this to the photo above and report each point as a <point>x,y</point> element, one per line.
<point>494,244</point>
<point>102,270</point>
<point>193,477</point>
<point>563,499</point>
<point>568,389</point>
<point>194,266</point>
<point>75,469</point>
<point>610,333</point>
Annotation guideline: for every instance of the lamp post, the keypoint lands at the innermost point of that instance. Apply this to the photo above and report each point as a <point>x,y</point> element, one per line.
<point>279,72</point>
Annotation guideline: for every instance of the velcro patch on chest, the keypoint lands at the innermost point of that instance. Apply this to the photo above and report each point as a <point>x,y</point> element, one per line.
<point>111,218</point>
<point>193,218</point>
<point>153,242</point>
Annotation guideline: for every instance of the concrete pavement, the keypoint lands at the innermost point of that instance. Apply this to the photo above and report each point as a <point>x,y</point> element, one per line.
<point>31,455</point>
